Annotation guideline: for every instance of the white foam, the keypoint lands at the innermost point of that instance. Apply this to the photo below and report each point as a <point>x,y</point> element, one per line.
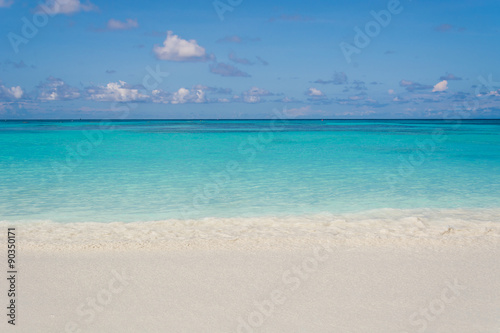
<point>376,226</point>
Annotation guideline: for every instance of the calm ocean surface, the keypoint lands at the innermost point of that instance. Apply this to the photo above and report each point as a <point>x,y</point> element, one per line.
<point>77,171</point>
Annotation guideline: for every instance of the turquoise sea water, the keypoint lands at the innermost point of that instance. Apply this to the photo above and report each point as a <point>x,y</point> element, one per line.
<point>77,171</point>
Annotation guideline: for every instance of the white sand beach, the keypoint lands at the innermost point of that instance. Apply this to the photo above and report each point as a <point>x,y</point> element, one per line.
<point>206,276</point>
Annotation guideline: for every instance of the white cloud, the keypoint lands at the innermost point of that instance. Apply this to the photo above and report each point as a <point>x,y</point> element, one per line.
<point>6,3</point>
<point>183,95</point>
<point>198,94</point>
<point>391,91</point>
<point>178,49</point>
<point>11,93</point>
<point>491,93</point>
<point>54,89</point>
<point>66,7</point>
<point>201,87</point>
<point>119,25</point>
<point>256,91</point>
<point>254,94</point>
<point>115,92</point>
<point>180,96</point>
<point>440,86</point>
<point>251,99</point>
<point>314,92</point>
<point>15,92</point>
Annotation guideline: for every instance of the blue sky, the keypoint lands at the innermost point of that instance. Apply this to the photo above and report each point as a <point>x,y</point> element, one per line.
<point>244,59</point>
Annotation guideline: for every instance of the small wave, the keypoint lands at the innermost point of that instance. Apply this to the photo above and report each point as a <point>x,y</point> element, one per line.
<point>370,226</point>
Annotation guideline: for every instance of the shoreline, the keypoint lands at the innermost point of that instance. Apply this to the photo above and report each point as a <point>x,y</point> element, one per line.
<point>385,227</point>
<point>321,274</point>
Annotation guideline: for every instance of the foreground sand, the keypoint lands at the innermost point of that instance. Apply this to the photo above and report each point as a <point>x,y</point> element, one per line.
<point>309,279</point>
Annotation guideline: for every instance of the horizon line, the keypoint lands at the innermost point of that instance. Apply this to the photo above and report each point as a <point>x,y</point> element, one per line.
<point>241,119</point>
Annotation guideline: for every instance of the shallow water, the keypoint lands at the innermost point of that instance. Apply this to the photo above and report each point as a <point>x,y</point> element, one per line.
<point>130,171</point>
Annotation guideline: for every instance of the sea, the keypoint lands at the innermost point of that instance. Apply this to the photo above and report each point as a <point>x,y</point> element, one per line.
<point>157,170</point>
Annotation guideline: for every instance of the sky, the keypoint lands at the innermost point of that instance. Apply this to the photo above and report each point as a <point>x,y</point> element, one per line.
<point>240,59</point>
